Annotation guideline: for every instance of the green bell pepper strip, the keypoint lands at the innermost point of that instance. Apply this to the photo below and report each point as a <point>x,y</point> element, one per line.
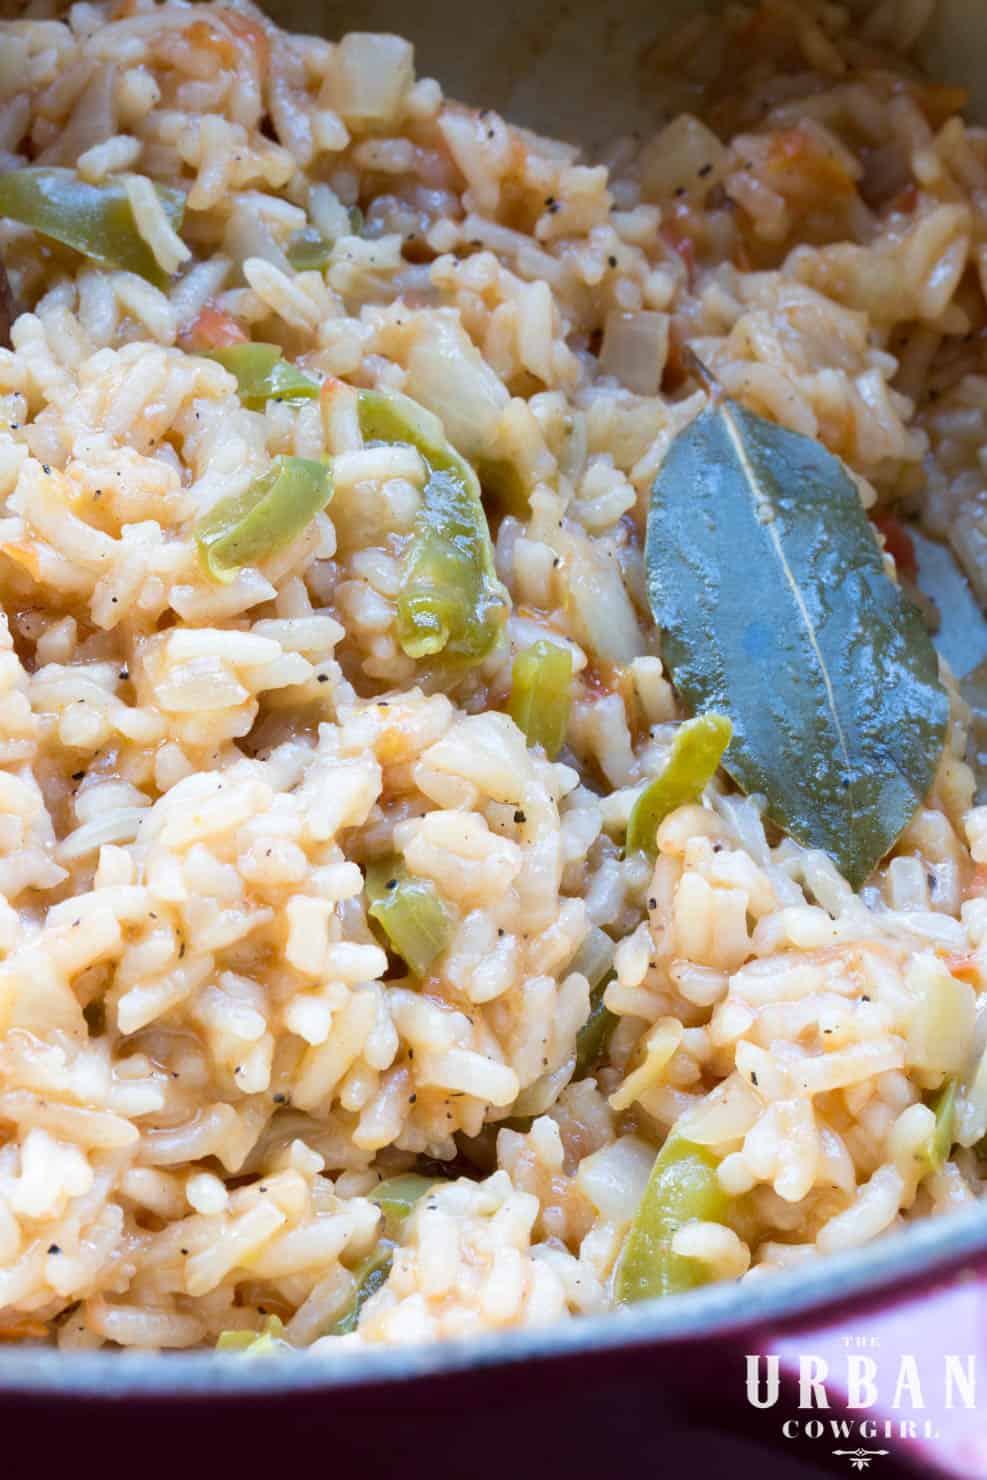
<point>450,600</point>
<point>263,375</point>
<point>370,1274</point>
<point>254,1343</point>
<point>246,527</point>
<point>593,1038</point>
<point>940,1143</point>
<point>500,479</point>
<point>310,251</point>
<point>697,751</point>
<point>396,1198</point>
<point>541,695</point>
<point>594,960</point>
<point>683,1186</point>
<point>93,219</point>
<point>410,913</point>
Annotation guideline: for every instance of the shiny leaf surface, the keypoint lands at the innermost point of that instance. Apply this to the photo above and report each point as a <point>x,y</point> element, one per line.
<point>768,586</point>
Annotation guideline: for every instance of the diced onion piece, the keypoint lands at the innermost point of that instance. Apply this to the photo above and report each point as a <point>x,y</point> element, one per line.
<point>594,959</point>
<point>634,349</point>
<point>726,1114</point>
<point>614,1178</point>
<point>599,607</point>
<point>943,1017</point>
<point>374,73</point>
<point>447,374</point>
<point>685,159</point>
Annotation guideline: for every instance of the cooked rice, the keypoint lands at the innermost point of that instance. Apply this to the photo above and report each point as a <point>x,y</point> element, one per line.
<point>207,1065</point>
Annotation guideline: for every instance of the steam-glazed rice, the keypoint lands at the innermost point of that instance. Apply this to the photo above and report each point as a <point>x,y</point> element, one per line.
<point>208,1059</point>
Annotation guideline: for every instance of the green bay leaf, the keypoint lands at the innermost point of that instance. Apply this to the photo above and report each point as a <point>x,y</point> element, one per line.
<point>769,589</point>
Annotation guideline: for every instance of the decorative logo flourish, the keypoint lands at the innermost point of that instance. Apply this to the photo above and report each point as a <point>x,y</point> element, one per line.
<point>860,1458</point>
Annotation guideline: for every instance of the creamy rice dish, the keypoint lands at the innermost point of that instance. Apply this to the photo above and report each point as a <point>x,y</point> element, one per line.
<point>485,836</point>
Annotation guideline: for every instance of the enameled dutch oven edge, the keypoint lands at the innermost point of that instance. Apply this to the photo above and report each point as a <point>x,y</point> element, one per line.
<point>661,1387</point>
<point>665,1383</point>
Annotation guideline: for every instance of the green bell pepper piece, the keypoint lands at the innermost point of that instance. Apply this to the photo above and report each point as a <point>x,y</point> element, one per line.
<point>683,1186</point>
<point>410,913</point>
<point>541,695</point>
<point>940,1143</point>
<point>450,601</point>
<point>263,375</point>
<point>697,751</point>
<point>242,529</point>
<point>263,1343</point>
<point>93,219</point>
